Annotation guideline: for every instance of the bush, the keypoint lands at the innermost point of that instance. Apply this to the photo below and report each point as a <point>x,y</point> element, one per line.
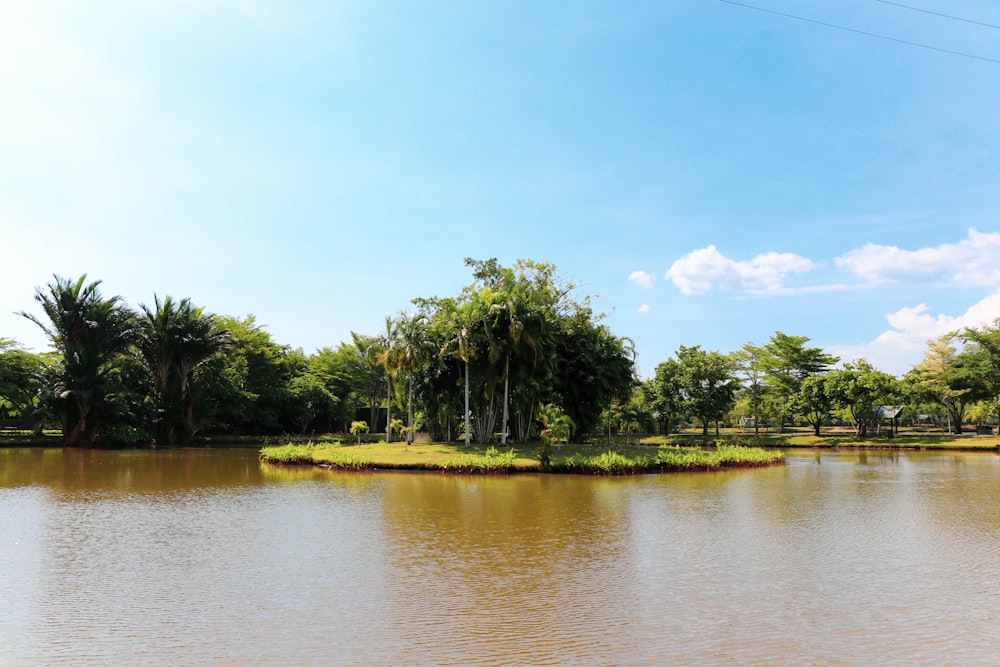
<point>608,463</point>
<point>490,461</point>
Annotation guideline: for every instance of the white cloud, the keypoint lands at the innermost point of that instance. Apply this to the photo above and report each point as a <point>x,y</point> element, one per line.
<point>972,262</point>
<point>641,278</point>
<point>644,308</point>
<point>903,345</point>
<point>701,270</point>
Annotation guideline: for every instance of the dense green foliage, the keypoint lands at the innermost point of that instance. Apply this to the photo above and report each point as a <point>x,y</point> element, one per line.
<point>477,364</point>
<point>173,340</point>
<point>84,392</point>
<point>19,373</point>
<point>785,381</point>
<point>514,340</point>
<point>494,363</point>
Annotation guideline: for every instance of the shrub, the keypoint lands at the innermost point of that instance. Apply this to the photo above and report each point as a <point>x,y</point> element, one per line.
<point>490,461</point>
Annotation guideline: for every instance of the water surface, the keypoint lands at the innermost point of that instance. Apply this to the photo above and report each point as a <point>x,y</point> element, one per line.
<point>207,557</point>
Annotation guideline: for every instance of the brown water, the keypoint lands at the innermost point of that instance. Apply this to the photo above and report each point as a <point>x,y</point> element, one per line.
<point>206,557</point>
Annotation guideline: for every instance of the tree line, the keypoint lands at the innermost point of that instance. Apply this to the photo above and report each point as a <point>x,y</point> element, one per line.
<point>514,353</point>
<point>514,345</point>
<point>785,381</point>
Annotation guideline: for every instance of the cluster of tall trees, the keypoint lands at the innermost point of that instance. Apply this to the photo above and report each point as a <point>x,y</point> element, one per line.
<point>516,344</point>
<point>479,364</point>
<point>115,370</point>
<point>785,381</point>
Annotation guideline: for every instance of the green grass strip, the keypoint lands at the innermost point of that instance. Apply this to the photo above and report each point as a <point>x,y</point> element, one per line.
<point>455,459</point>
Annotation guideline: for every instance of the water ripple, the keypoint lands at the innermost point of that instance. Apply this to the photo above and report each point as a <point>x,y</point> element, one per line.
<point>834,559</point>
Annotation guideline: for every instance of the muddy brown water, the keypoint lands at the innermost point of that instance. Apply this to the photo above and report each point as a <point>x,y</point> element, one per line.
<point>207,557</point>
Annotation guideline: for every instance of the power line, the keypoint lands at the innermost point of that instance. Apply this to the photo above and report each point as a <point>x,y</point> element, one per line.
<point>862,32</point>
<point>947,16</point>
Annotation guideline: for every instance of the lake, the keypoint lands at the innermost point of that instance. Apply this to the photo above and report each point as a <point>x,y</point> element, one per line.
<point>207,557</point>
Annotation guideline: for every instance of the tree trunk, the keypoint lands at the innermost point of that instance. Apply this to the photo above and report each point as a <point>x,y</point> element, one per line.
<point>524,421</point>
<point>76,437</point>
<point>466,403</point>
<point>388,409</point>
<point>486,418</point>
<point>503,425</point>
<point>373,413</point>
<point>409,401</point>
<point>189,423</point>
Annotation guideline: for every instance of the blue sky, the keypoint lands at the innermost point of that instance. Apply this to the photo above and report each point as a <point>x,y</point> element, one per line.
<point>712,172</point>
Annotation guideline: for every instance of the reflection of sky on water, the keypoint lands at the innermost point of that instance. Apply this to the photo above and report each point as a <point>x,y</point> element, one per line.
<point>213,558</point>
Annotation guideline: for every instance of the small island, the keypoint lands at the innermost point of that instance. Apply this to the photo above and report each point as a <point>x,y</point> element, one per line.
<point>581,459</point>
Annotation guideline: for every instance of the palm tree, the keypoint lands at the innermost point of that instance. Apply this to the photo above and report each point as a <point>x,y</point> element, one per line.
<point>385,359</point>
<point>556,429</point>
<point>524,323</point>
<point>410,346</point>
<point>175,338</point>
<point>358,427</point>
<point>368,349</point>
<point>90,333</point>
<point>460,346</point>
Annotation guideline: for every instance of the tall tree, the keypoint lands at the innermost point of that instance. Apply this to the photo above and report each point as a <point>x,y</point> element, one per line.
<point>308,400</point>
<point>408,346</point>
<point>518,337</point>
<point>950,378</point>
<point>862,389</point>
<point>369,349</point>
<point>438,379</point>
<point>815,400</point>
<point>666,392</point>
<point>385,359</point>
<point>593,369</point>
<point>343,374</point>
<point>750,362</point>
<point>525,304</point>
<point>174,339</point>
<point>707,383</point>
<point>788,361</point>
<point>20,372</point>
<point>253,377</point>
<point>91,333</point>
<point>983,347</point>
<point>461,346</point>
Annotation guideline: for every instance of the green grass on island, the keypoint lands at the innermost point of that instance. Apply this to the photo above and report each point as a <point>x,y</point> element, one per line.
<point>455,457</point>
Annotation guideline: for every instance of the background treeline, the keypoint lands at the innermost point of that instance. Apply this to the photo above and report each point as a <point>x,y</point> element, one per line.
<point>514,343</point>
<point>517,349</point>
<point>785,382</point>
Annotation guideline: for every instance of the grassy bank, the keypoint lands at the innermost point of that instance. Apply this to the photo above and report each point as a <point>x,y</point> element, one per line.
<point>449,457</point>
<point>15,438</point>
<point>842,439</point>
<point>524,456</point>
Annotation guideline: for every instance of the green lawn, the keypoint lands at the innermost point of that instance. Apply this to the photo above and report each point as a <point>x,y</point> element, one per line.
<point>420,454</point>
<point>906,439</point>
